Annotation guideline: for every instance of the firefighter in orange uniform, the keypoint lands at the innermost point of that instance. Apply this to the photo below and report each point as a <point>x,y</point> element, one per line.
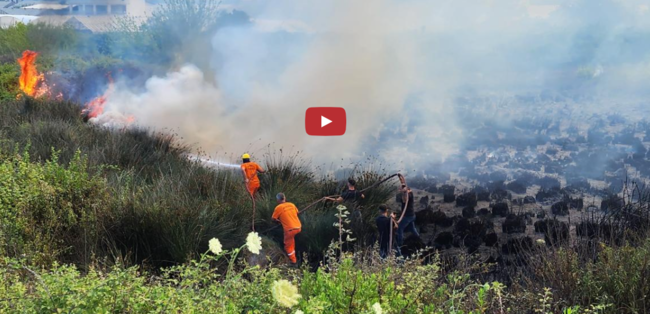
<point>249,170</point>
<point>287,214</point>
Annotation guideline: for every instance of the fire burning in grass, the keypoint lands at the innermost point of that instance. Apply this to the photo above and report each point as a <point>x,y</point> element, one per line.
<point>33,84</point>
<point>29,76</point>
<point>96,106</point>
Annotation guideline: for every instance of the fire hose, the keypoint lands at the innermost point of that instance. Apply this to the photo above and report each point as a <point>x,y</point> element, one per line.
<point>393,223</point>
<point>252,200</point>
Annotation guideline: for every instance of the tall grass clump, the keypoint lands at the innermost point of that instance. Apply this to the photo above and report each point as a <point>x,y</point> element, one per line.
<point>607,265</point>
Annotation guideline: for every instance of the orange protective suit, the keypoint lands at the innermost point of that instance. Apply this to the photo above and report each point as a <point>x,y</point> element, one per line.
<point>287,214</point>
<point>250,171</point>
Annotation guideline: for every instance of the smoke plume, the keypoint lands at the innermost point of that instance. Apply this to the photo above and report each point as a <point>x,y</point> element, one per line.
<point>415,77</point>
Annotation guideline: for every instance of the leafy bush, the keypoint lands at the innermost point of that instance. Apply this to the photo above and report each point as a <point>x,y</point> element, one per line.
<point>616,277</point>
<point>40,37</point>
<point>13,41</point>
<point>8,81</point>
<point>204,286</point>
<point>47,209</point>
<point>52,39</point>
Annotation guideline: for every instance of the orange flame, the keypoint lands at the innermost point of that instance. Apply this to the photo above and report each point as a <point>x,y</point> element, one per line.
<point>95,107</point>
<point>31,82</point>
<point>29,76</point>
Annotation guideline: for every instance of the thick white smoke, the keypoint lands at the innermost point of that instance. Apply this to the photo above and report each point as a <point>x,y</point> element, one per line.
<point>397,67</point>
<point>182,101</point>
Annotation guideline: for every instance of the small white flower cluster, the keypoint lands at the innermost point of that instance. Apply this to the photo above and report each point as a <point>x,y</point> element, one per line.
<point>215,246</point>
<point>377,308</point>
<point>254,243</point>
<point>285,293</point>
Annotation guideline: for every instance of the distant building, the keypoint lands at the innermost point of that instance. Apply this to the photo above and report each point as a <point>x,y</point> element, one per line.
<point>83,15</point>
<point>95,7</point>
<point>7,20</point>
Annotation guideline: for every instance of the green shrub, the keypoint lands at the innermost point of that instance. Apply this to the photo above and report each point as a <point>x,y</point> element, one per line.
<point>209,286</point>
<point>39,37</point>
<point>50,39</point>
<point>13,41</point>
<point>620,276</point>
<point>9,74</point>
<point>46,210</point>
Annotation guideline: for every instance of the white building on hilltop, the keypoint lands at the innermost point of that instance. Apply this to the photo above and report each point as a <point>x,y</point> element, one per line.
<point>106,7</point>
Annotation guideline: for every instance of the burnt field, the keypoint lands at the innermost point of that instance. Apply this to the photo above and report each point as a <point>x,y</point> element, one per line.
<point>538,178</point>
<point>556,145</point>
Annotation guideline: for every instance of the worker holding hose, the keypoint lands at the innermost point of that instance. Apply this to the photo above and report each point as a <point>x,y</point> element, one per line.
<point>351,198</point>
<point>405,195</point>
<point>351,195</point>
<point>249,170</point>
<point>286,213</point>
<point>383,222</point>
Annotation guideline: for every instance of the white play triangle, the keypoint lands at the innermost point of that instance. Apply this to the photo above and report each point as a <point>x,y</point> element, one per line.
<point>324,121</point>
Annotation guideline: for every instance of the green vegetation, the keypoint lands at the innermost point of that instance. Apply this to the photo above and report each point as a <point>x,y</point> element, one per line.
<point>199,288</point>
<point>355,284</point>
<point>152,204</point>
<point>9,74</point>
<point>46,208</point>
<point>119,219</point>
<point>179,32</point>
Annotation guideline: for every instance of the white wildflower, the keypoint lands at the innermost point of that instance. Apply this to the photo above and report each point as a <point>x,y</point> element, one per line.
<point>285,293</point>
<point>254,243</point>
<point>299,312</point>
<point>377,308</point>
<point>215,246</point>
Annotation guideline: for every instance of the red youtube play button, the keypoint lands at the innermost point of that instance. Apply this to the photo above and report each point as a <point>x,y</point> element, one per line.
<point>325,121</point>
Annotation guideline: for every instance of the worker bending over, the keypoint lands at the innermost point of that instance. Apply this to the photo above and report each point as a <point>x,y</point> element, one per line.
<point>249,170</point>
<point>287,214</point>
